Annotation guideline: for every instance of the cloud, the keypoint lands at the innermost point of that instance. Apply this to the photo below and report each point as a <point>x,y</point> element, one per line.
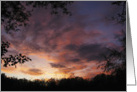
<point>72,68</point>
<point>92,51</point>
<point>70,47</point>
<point>8,69</point>
<point>89,52</point>
<point>57,65</point>
<point>33,71</point>
<point>75,60</point>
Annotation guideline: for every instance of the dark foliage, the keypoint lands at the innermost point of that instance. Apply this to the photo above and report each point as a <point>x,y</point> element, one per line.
<point>4,47</point>
<point>121,16</point>
<point>115,55</point>
<point>55,5</point>
<point>13,15</point>
<point>11,60</point>
<point>115,59</point>
<point>101,82</point>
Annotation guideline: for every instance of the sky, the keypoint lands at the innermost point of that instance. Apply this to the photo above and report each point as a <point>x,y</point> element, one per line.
<point>63,46</point>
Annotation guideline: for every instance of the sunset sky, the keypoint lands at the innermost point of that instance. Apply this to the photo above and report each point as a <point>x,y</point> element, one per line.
<point>63,46</point>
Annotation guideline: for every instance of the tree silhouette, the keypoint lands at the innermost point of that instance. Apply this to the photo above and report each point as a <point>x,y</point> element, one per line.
<point>115,56</point>
<point>14,14</point>
<point>116,59</point>
<point>100,82</point>
<point>11,60</point>
<point>120,16</point>
<point>4,47</point>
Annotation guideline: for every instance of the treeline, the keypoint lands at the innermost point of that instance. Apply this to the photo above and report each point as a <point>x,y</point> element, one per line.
<point>101,82</point>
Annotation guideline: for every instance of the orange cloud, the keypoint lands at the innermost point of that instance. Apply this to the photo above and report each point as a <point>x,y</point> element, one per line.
<point>8,69</point>
<point>33,71</point>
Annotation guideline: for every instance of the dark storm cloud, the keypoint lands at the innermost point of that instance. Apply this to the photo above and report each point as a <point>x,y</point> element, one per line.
<point>71,47</point>
<point>57,65</point>
<point>87,51</point>
<point>75,60</point>
<point>92,52</point>
<point>72,59</point>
